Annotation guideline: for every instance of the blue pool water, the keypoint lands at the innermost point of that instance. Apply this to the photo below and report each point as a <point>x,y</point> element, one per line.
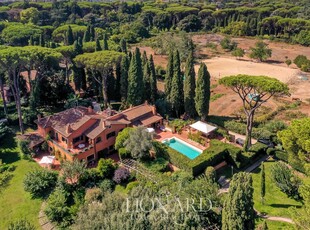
<point>185,149</point>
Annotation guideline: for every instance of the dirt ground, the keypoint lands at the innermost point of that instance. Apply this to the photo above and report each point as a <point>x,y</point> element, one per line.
<point>221,63</point>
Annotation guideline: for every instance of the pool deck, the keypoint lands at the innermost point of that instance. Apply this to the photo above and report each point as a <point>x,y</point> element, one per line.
<point>160,136</point>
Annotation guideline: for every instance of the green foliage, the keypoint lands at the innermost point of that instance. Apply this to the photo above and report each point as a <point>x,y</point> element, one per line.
<point>30,15</point>
<point>57,209</point>
<point>202,98</point>
<point>122,137</point>
<point>238,52</point>
<point>106,185</point>
<point>18,34</point>
<point>189,87</point>
<point>176,95</point>
<point>303,38</point>
<point>60,32</point>
<point>135,92</point>
<point>300,60</point>
<point>157,165</point>
<point>235,29</point>
<point>215,154</point>
<point>23,146</point>
<point>197,137</point>
<point>227,44</point>
<point>301,216</point>
<point>238,211</point>
<point>4,130</point>
<point>73,171</point>
<point>139,143</point>
<point>286,181</point>
<point>263,183</point>
<point>40,182</point>
<point>210,173</point>
<point>260,51</point>
<point>21,225</point>
<point>106,168</point>
<point>165,43</point>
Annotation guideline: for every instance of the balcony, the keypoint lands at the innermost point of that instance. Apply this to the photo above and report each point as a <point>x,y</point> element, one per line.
<point>81,148</point>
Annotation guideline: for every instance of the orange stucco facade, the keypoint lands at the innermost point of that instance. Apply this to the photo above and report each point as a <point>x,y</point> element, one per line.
<point>80,133</point>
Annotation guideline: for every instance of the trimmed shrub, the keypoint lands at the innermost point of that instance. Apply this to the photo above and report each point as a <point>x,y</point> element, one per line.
<point>123,153</point>
<point>21,225</point>
<point>40,182</point>
<point>23,146</point>
<point>157,165</point>
<point>107,185</point>
<point>131,185</point>
<point>281,155</point>
<point>258,148</point>
<point>93,194</point>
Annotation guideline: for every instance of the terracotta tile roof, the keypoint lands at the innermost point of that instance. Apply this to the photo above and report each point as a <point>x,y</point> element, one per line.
<point>147,120</point>
<point>94,130</point>
<point>137,111</point>
<point>75,117</point>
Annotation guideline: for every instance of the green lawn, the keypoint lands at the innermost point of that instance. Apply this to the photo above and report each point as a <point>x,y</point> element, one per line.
<point>276,202</point>
<point>275,225</point>
<point>15,203</point>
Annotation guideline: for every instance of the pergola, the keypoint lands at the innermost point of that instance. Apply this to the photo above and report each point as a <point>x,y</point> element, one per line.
<point>203,127</point>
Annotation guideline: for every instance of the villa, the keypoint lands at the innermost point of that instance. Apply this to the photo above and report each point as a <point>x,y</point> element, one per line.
<point>81,133</point>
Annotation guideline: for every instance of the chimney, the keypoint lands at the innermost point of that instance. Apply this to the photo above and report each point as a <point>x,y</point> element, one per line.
<point>39,117</point>
<point>90,109</point>
<point>154,110</point>
<point>68,129</point>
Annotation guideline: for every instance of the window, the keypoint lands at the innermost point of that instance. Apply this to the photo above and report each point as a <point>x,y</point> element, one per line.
<point>109,135</point>
<point>98,140</point>
<point>56,136</point>
<point>64,140</point>
<point>111,147</point>
<point>77,139</point>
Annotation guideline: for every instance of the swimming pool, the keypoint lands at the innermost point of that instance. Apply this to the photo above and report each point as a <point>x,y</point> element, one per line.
<point>181,146</point>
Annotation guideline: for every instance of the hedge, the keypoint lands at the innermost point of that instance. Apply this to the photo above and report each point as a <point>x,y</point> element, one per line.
<point>281,155</point>
<point>215,154</point>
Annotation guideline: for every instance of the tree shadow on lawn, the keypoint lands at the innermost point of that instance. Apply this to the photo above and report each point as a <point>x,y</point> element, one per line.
<point>8,150</point>
<point>285,206</point>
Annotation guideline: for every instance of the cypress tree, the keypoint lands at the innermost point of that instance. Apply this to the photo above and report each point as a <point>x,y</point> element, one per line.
<point>146,81</point>
<point>92,33</point>
<point>86,37</point>
<point>169,75</point>
<point>123,45</point>
<point>189,87</point>
<point>153,80</point>
<point>117,81</point>
<point>105,42</point>
<point>80,42</point>
<point>110,84</point>
<point>135,93</point>
<point>238,212</point>
<point>263,183</point>
<point>30,42</point>
<point>77,48</point>
<point>70,38</point>
<point>202,97</point>
<point>124,77</point>
<point>176,94</point>
<point>144,58</point>
<point>98,46</point>
<point>41,41</point>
